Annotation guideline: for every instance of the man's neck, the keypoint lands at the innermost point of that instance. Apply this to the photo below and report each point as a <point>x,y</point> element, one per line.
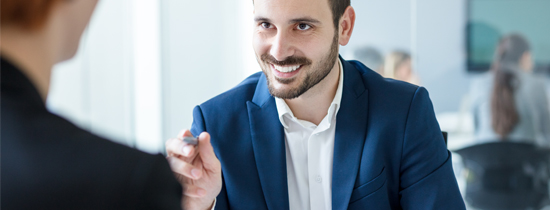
<point>313,105</point>
<point>30,53</point>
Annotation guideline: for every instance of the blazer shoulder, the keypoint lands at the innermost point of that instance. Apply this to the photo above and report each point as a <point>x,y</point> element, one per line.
<point>379,85</point>
<point>31,130</point>
<point>52,145</point>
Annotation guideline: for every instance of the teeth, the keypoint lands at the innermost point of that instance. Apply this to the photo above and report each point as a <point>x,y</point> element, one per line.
<point>286,69</point>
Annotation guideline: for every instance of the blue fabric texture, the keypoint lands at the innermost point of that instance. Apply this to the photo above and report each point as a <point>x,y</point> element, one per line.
<point>388,154</point>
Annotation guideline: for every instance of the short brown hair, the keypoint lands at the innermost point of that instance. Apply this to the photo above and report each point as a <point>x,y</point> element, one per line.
<point>338,8</point>
<point>27,14</point>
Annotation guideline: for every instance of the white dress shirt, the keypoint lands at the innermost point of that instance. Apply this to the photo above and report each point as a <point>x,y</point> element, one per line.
<point>309,154</point>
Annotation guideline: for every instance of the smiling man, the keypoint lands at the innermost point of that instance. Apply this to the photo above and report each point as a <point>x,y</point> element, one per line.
<point>314,131</point>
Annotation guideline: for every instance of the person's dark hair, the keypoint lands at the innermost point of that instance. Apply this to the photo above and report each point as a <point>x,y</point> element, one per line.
<point>504,114</point>
<point>338,8</point>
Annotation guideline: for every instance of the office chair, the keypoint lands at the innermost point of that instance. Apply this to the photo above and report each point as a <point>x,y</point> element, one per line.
<point>505,175</point>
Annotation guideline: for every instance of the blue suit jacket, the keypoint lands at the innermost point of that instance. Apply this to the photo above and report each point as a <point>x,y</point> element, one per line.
<point>388,152</point>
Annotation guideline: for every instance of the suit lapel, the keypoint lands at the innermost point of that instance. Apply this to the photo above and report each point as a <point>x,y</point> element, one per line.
<point>269,146</point>
<point>351,130</point>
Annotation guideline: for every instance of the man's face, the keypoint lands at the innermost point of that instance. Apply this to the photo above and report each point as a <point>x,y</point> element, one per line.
<point>296,44</point>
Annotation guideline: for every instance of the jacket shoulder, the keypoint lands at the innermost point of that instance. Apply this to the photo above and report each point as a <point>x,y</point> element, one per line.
<point>57,148</point>
<point>379,85</point>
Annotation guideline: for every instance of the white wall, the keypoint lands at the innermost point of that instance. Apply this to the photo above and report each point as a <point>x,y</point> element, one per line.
<point>112,87</point>
<point>144,64</point>
<point>207,49</point>
<point>94,89</point>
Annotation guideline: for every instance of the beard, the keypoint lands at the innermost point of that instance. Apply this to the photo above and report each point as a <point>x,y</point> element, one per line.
<point>318,71</point>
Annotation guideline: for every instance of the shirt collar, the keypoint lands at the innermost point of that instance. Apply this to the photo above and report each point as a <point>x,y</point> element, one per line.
<point>283,109</point>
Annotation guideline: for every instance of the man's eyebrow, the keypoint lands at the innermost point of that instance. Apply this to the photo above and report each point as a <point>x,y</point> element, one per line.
<point>261,19</point>
<point>296,20</point>
<point>305,19</point>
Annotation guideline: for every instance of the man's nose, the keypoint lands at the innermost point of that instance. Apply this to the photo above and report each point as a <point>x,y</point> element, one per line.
<point>282,46</point>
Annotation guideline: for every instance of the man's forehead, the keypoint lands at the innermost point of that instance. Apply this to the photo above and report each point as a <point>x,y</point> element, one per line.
<point>291,9</point>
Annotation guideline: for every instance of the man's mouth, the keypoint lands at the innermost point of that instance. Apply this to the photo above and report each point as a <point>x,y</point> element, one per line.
<point>286,69</point>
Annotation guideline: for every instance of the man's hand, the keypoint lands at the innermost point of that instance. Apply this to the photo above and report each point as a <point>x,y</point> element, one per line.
<point>197,169</point>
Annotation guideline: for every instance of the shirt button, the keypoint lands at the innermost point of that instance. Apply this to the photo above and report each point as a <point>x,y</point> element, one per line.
<point>319,179</point>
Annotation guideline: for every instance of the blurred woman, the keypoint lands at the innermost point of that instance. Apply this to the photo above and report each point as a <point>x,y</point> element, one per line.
<point>509,102</point>
<point>48,162</point>
<point>398,65</point>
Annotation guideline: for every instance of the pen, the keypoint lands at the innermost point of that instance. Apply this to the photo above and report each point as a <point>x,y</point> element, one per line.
<point>191,140</point>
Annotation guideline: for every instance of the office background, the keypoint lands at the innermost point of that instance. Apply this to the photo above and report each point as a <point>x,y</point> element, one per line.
<point>144,64</point>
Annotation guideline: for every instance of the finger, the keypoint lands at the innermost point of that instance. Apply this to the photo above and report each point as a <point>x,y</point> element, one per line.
<point>183,133</point>
<point>189,151</point>
<point>174,147</point>
<point>178,148</point>
<point>194,191</point>
<point>188,170</point>
<point>206,152</point>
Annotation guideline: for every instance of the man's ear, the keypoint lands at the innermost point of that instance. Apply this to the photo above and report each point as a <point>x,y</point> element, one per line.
<point>345,29</point>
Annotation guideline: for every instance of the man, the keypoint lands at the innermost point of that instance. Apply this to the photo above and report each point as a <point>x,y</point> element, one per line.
<point>48,162</point>
<point>314,131</point>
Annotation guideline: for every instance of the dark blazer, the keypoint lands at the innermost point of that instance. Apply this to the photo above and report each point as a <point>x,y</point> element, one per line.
<point>388,153</point>
<point>49,163</point>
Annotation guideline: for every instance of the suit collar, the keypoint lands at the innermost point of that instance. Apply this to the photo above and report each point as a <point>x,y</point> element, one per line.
<point>261,94</point>
<point>351,132</point>
<point>269,151</point>
<point>353,79</point>
<point>269,146</point>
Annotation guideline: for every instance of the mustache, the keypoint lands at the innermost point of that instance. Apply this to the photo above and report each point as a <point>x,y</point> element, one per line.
<point>292,60</point>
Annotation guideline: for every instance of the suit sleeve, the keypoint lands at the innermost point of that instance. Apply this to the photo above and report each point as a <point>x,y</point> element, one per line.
<point>199,126</point>
<point>427,179</point>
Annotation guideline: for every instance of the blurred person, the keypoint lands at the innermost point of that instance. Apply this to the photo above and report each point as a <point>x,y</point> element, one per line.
<point>509,102</point>
<point>398,65</point>
<point>312,130</point>
<point>48,162</point>
<point>371,57</point>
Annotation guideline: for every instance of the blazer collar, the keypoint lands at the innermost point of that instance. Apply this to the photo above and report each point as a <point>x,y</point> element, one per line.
<point>261,94</point>
<point>351,132</point>
<point>269,146</point>
<point>353,79</point>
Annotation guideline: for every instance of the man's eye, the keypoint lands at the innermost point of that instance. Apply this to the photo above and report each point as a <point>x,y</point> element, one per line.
<point>266,25</point>
<point>303,26</point>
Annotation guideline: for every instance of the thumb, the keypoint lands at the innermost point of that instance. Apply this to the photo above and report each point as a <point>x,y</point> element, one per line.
<point>206,152</point>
